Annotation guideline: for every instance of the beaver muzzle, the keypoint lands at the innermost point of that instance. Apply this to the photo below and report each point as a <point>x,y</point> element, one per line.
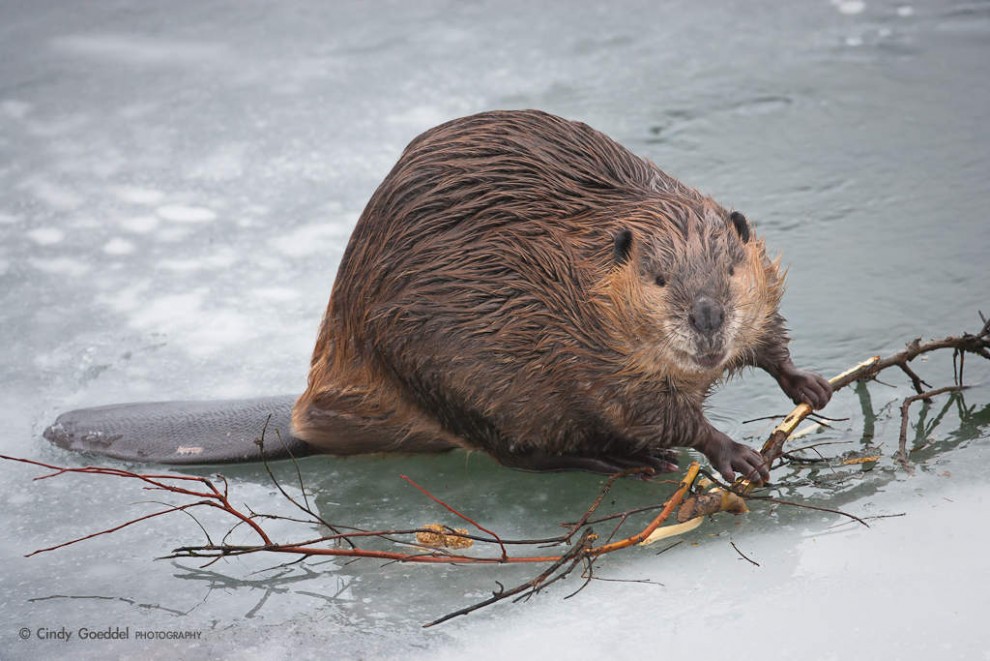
<point>706,319</point>
<point>706,315</point>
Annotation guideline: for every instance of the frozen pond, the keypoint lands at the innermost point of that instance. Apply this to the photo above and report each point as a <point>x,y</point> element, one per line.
<point>180,180</point>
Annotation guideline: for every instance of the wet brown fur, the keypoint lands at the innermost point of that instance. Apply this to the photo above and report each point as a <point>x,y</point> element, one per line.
<point>479,303</point>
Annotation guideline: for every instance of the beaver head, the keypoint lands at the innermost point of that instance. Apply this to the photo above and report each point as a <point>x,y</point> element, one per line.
<point>699,284</point>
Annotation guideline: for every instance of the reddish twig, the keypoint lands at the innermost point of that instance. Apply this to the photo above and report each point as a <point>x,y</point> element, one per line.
<point>214,496</point>
<point>580,523</point>
<point>505,554</point>
<point>583,551</point>
<point>177,508</point>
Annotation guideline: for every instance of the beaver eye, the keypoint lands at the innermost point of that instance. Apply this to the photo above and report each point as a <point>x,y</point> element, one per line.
<point>732,271</point>
<point>660,280</point>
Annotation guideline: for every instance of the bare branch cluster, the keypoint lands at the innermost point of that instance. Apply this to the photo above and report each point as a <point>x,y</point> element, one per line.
<point>578,547</point>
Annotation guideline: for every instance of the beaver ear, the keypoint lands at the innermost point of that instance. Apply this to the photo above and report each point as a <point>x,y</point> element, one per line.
<point>741,225</point>
<point>622,246</point>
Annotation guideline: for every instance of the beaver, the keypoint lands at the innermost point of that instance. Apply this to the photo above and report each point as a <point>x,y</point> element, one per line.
<point>523,285</point>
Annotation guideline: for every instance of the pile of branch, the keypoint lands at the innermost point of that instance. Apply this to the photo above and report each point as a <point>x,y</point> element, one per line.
<point>579,546</point>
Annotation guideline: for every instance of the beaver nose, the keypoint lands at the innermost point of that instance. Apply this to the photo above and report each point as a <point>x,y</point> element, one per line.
<point>706,315</point>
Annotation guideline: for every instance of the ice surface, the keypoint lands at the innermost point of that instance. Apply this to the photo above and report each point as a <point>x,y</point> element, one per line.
<point>180,182</point>
<point>46,236</point>
<point>850,7</point>
<point>118,246</point>
<point>185,214</point>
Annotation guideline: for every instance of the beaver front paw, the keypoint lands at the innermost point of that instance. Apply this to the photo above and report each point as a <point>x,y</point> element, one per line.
<point>727,457</point>
<point>805,387</point>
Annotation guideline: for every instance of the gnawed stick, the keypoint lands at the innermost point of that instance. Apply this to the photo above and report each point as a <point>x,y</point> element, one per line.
<point>772,449</point>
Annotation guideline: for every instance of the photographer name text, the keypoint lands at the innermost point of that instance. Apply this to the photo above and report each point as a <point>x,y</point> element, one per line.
<point>107,633</point>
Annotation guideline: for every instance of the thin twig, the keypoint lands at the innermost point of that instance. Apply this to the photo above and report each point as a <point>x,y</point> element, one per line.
<point>304,507</point>
<point>582,552</point>
<point>744,556</point>
<point>806,506</point>
<point>598,500</point>
<point>505,553</point>
<point>902,453</point>
<point>916,380</point>
<point>573,556</point>
<point>177,508</point>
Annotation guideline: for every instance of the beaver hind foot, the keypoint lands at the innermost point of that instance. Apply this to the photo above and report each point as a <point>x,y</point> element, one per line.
<point>652,462</point>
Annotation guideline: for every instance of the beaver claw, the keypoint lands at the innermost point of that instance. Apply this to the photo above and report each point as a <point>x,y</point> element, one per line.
<point>804,387</point>
<point>727,457</point>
